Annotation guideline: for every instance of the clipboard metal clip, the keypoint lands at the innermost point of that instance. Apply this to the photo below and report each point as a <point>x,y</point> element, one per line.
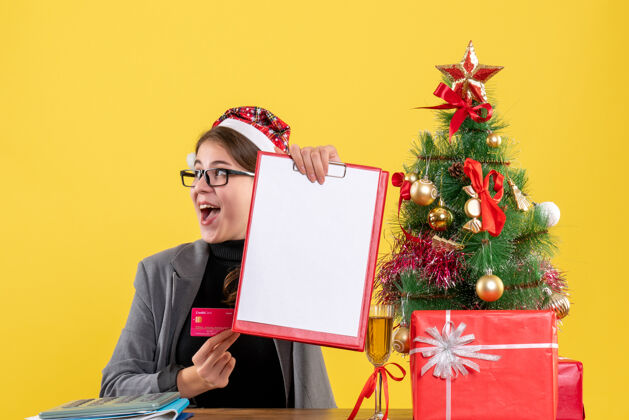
<point>331,174</point>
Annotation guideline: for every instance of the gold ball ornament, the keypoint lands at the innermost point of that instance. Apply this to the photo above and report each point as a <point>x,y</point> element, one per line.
<point>402,340</point>
<point>411,177</point>
<point>440,218</point>
<point>423,192</point>
<point>493,140</point>
<point>560,305</point>
<point>489,287</point>
<point>472,208</point>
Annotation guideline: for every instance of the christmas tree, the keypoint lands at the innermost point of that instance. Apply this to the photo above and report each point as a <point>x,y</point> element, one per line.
<point>469,237</point>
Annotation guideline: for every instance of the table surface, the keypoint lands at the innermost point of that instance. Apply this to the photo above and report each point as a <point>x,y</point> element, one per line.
<point>289,414</point>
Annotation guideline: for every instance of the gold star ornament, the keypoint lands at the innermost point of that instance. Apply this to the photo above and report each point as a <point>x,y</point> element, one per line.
<point>468,77</point>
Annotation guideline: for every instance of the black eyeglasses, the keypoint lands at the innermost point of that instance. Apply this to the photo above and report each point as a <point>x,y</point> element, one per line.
<point>214,177</point>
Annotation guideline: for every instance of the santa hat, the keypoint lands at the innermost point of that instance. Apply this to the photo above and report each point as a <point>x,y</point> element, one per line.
<point>265,130</point>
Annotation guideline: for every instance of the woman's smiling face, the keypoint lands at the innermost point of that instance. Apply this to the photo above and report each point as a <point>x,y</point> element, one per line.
<point>222,211</point>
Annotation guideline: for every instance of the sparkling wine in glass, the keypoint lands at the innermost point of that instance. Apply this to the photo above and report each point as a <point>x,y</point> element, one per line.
<point>378,345</point>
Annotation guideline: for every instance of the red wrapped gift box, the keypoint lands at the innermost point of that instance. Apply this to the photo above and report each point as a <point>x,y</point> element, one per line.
<point>570,382</point>
<point>490,365</point>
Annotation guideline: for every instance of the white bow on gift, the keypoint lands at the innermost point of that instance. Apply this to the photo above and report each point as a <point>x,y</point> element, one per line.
<point>449,351</point>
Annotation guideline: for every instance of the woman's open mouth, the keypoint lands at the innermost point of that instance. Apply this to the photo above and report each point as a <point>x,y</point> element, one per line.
<point>209,213</point>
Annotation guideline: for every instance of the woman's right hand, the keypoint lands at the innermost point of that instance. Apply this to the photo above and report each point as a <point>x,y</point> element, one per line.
<point>212,365</point>
<point>213,362</point>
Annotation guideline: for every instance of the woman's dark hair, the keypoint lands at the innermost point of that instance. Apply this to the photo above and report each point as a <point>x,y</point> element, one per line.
<point>245,153</point>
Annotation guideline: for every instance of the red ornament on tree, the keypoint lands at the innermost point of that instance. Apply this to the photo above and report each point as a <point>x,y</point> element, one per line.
<point>469,77</point>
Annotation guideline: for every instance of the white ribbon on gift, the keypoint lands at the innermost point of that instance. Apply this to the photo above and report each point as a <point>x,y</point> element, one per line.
<point>451,347</point>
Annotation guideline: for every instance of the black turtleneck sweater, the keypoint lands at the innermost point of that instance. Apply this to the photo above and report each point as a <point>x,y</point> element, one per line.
<point>256,381</point>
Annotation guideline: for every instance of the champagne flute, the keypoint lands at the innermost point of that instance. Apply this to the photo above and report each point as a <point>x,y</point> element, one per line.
<point>378,346</point>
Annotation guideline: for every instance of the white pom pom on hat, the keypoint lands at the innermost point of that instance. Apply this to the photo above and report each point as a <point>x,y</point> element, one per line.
<point>190,159</point>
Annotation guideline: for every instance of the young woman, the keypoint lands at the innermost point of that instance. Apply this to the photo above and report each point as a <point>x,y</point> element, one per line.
<point>155,352</point>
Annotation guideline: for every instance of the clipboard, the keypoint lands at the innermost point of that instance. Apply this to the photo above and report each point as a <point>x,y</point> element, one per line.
<point>310,253</point>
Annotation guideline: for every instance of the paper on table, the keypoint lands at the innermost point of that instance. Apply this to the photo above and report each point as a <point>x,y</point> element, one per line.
<point>168,412</point>
<point>318,247</point>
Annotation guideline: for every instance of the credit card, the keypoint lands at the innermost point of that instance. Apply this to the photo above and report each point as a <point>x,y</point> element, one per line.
<point>207,322</point>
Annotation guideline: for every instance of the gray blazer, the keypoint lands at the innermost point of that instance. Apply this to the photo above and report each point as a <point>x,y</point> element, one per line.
<point>144,358</point>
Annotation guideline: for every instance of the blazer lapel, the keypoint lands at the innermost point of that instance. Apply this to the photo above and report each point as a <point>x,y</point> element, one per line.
<point>188,269</point>
<point>285,354</point>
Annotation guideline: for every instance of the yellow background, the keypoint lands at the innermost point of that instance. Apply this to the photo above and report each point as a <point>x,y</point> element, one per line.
<point>101,101</point>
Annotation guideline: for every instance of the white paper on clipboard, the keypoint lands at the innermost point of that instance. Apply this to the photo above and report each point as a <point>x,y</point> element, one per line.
<point>309,248</point>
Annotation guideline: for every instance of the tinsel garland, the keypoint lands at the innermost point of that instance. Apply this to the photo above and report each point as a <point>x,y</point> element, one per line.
<point>439,268</point>
<point>554,278</point>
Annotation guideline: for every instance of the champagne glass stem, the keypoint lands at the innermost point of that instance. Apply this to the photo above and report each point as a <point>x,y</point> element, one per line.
<point>378,397</point>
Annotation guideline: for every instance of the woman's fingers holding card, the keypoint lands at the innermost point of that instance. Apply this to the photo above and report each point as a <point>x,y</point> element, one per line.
<point>227,370</point>
<point>225,338</point>
<point>213,361</point>
<point>215,371</point>
<point>219,351</point>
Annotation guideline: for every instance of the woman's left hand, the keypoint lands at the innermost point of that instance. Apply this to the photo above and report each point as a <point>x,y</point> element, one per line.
<point>313,161</point>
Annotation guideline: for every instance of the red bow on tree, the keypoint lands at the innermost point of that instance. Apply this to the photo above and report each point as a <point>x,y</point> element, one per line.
<point>405,194</point>
<point>464,108</point>
<point>405,186</point>
<point>493,218</point>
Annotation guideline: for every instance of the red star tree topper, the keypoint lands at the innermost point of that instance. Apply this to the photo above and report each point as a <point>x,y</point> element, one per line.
<point>468,77</point>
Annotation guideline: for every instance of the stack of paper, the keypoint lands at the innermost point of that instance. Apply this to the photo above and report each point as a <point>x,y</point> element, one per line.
<point>171,411</point>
